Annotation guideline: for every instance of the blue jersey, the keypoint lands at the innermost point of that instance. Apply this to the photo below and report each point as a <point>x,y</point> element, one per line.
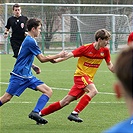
<point>28,50</point>
<point>122,127</point>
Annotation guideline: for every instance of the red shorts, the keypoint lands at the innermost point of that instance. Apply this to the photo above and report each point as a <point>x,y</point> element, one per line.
<point>80,82</point>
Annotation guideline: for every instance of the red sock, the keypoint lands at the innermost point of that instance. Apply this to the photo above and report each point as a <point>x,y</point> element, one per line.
<point>82,103</point>
<point>51,108</point>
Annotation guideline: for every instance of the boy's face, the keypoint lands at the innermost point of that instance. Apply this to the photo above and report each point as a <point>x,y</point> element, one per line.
<point>17,11</point>
<point>37,31</point>
<point>104,42</point>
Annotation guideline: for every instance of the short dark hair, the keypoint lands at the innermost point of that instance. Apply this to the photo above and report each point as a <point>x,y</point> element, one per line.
<point>103,34</point>
<point>15,5</point>
<point>124,69</point>
<point>33,22</point>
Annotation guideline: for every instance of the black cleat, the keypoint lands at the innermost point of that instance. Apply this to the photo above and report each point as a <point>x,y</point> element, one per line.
<point>35,116</point>
<point>74,117</point>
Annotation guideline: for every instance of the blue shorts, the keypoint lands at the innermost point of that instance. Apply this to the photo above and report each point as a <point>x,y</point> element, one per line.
<point>17,85</point>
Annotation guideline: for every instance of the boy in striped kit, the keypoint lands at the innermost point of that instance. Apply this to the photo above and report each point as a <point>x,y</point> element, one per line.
<point>90,57</point>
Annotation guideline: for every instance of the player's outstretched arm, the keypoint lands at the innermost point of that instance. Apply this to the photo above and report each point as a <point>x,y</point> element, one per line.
<point>110,66</point>
<point>43,58</point>
<point>69,55</point>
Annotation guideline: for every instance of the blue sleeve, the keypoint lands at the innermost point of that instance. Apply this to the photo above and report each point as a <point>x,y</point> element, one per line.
<point>122,127</point>
<point>34,48</point>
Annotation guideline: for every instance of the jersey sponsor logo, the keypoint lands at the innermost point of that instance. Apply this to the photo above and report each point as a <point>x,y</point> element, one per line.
<point>91,65</point>
<point>22,25</point>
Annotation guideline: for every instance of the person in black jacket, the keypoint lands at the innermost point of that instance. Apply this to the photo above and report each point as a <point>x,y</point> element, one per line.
<point>17,23</point>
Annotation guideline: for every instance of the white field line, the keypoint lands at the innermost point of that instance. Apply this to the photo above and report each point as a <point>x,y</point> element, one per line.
<point>65,89</point>
<point>71,103</point>
<point>105,93</point>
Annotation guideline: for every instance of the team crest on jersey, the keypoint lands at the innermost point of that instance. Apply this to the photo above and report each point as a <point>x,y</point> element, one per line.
<point>90,53</point>
<point>102,54</point>
<point>22,25</point>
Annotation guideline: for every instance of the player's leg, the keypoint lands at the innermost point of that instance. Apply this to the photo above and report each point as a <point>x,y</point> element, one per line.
<point>91,92</point>
<point>13,88</point>
<point>47,92</point>
<point>5,98</point>
<point>15,44</point>
<point>84,101</point>
<point>57,105</point>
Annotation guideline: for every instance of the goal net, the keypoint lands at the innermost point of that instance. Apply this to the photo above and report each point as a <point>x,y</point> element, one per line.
<point>83,27</point>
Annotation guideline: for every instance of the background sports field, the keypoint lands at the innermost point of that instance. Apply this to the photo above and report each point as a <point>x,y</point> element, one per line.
<point>103,111</point>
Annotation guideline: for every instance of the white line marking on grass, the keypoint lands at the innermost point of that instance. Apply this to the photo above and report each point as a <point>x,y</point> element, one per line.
<point>4,83</point>
<point>105,93</point>
<point>108,93</point>
<point>71,103</point>
<point>69,89</point>
<point>65,89</point>
<point>103,71</point>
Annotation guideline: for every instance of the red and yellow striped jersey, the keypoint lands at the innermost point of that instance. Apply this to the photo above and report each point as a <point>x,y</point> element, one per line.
<point>90,59</point>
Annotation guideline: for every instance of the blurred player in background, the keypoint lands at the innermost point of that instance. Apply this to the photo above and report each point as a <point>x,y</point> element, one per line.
<point>22,77</point>
<point>124,88</point>
<point>130,39</point>
<point>17,23</point>
<point>90,58</point>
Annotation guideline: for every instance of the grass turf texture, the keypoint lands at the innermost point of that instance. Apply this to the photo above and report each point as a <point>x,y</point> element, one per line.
<point>103,111</point>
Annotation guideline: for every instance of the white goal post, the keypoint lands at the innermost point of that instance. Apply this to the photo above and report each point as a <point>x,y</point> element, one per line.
<point>117,24</point>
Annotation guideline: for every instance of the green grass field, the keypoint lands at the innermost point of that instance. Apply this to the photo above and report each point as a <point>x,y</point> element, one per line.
<point>103,111</point>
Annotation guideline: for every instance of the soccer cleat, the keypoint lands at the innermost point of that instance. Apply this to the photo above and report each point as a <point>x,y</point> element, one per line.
<point>74,117</point>
<point>35,116</point>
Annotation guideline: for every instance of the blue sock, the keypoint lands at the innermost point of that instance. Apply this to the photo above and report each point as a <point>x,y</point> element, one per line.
<point>41,103</point>
<point>1,103</point>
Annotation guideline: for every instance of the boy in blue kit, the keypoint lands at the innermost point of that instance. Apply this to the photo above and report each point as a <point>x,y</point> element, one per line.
<point>22,77</point>
<point>124,88</point>
<point>17,23</point>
